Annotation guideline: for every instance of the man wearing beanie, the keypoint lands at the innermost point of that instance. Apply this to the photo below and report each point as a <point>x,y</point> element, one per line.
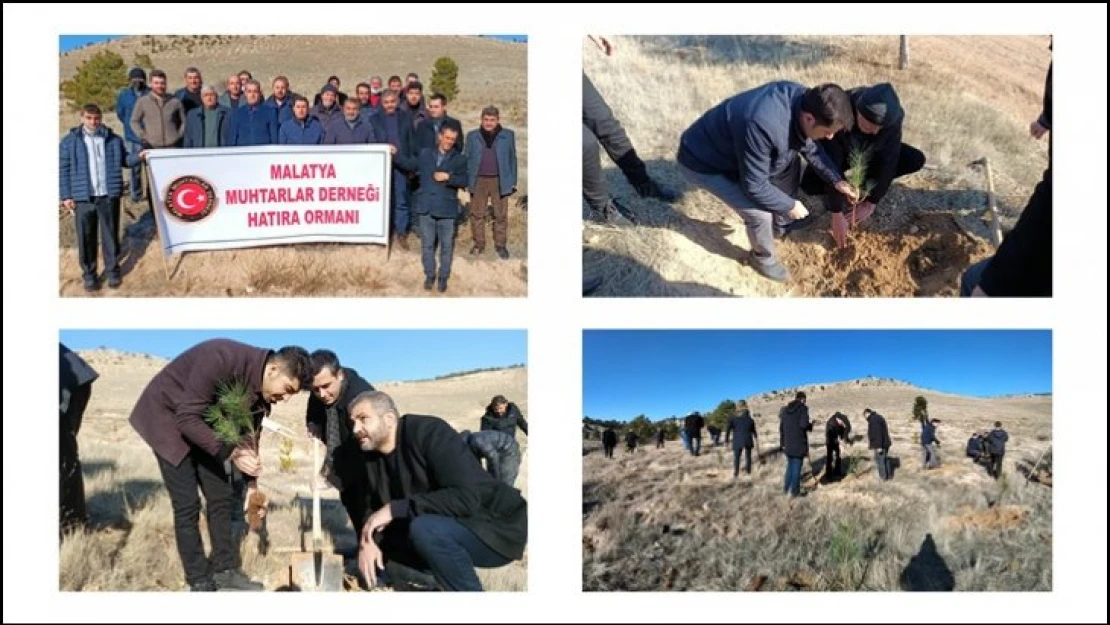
<point>125,106</point>
<point>333,82</point>
<point>878,130</point>
<point>327,109</point>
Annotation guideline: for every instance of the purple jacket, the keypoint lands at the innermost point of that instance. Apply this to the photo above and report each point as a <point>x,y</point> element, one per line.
<point>170,413</point>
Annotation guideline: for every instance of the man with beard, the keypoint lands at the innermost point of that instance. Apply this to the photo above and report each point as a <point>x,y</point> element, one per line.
<point>491,179</point>
<point>394,127</point>
<point>837,429</point>
<point>328,420</point>
<point>282,99</point>
<point>435,509</point>
<point>503,415</point>
<point>794,426</point>
<point>351,129</point>
<point>170,417</point>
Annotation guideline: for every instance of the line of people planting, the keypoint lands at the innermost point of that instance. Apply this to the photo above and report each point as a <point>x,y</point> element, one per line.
<point>986,448</point>
<point>426,512</point>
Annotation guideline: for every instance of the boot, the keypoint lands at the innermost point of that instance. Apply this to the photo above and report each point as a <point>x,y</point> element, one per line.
<point>235,579</point>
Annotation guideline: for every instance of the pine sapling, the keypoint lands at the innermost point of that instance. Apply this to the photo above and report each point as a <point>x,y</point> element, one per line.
<point>859,158</point>
<point>231,418</point>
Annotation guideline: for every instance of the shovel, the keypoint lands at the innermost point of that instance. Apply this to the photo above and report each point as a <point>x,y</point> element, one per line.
<point>316,571</point>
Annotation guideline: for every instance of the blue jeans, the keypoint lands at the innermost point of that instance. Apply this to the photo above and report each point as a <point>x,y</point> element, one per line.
<point>134,148</point>
<point>434,229</point>
<point>972,276</point>
<point>442,546</point>
<point>793,484</point>
<point>695,445</point>
<point>882,464</point>
<point>399,203</point>
<point>685,440</point>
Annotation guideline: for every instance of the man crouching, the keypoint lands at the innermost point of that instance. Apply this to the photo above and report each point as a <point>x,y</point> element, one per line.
<point>436,510</point>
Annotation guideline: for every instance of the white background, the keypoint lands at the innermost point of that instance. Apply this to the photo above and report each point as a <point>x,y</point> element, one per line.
<point>554,314</point>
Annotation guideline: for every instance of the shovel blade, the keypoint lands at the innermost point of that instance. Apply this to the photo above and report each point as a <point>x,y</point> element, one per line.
<point>316,572</point>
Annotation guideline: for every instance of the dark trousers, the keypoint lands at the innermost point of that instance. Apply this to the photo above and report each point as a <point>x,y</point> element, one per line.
<point>133,149</point>
<point>488,189</point>
<point>71,487</point>
<point>443,547</point>
<point>609,450</point>
<point>202,470</point>
<point>882,464</point>
<point>354,502</point>
<point>695,445</point>
<point>832,450</point>
<point>399,203</point>
<point>659,443</point>
<point>600,127</point>
<point>792,485</point>
<point>433,229</point>
<point>99,213</point>
<point>736,453</point>
<point>910,160</point>
<point>994,468</point>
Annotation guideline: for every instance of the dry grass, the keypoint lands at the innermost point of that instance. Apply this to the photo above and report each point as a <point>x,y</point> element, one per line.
<point>661,520</point>
<point>130,544</point>
<point>965,98</point>
<point>490,72</point>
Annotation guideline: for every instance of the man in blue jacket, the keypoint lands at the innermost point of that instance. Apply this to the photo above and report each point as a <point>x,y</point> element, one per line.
<point>282,99</point>
<point>207,126</point>
<point>125,106</point>
<point>442,173</point>
<point>253,123</point>
<point>746,151</point>
<point>302,129</point>
<point>328,109</point>
<point>394,126</point>
<point>90,168</point>
<point>190,93</point>
<point>351,129</point>
<point>491,179</point>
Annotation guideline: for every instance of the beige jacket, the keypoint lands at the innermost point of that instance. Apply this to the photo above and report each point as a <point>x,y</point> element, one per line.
<point>159,122</point>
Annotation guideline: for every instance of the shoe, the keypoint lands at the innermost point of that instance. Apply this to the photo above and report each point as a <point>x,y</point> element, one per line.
<point>236,579</point>
<point>407,579</point>
<point>91,285</point>
<point>652,189</point>
<point>775,271</point>
<point>114,282</point>
<point>401,240</point>
<point>591,284</point>
<point>781,232</point>
<point>476,251</point>
<point>615,215</point>
<point>502,253</point>
<point>442,286</point>
<point>206,585</point>
<point>429,283</point>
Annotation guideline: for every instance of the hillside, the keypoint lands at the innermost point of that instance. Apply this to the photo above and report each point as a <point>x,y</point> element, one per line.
<point>965,98</point>
<point>490,71</point>
<point>130,545</point>
<point>664,520</point>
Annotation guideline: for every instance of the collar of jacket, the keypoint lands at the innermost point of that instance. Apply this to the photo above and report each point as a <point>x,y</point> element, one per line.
<point>797,137</point>
<point>103,132</point>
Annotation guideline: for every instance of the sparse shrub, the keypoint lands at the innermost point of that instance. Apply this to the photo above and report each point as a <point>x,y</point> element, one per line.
<point>916,438</point>
<point>920,409</point>
<point>845,547</point>
<point>445,77</point>
<point>98,81</point>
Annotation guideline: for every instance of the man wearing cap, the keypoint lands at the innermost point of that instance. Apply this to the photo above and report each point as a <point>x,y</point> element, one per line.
<point>333,82</point>
<point>125,106</point>
<point>207,126</point>
<point>877,131</point>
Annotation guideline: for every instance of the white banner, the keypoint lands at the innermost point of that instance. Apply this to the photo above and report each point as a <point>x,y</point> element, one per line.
<point>222,198</point>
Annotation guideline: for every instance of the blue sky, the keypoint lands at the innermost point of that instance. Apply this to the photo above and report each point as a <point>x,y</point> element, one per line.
<point>69,42</point>
<point>662,373</point>
<point>376,354</point>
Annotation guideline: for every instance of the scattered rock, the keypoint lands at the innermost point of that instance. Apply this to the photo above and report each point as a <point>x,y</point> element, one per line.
<point>757,583</point>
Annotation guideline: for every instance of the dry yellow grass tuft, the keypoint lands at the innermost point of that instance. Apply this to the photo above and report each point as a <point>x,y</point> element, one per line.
<point>965,98</point>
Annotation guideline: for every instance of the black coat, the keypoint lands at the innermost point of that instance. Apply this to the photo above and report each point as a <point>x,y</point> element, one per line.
<point>693,425</point>
<point>631,439</point>
<point>74,373</point>
<point>346,459</point>
<point>741,429</point>
<point>508,424</point>
<point>884,146</point>
<point>433,471</point>
<point>996,441</point>
<point>794,425</point>
<point>1022,265</point>
<point>609,438</point>
<point>439,199</point>
<point>878,436</point>
<point>835,431</point>
<point>928,434</point>
<point>425,135</point>
<point>405,158</point>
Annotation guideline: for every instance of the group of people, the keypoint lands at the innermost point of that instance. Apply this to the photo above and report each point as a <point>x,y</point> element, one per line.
<point>413,487</point>
<point>748,151</point>
<point>432,160</point>
<point>794,428</point>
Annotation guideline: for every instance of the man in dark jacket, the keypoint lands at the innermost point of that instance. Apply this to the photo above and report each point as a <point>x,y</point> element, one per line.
<point>232,96</point>
<point>414,104</point>
<point>503,415</point>
<point>996,448</point>
<point>91,159</point>
<point>253,123</point>
<point>427,130</point>
<point>878,440</point>
<point>1043,124</point>
<point>746,152</point>
<point>125,106</point>
<point>328,420</point>
<point>442,173</point>
<point>794,426</point>
<point>693,425</point>
<point>435,509</point>
<point>333,85</point>
<point>170,417</point>
<point>929,444</point>
<point>302,128</point>
<point>281,99</point>
<point>609,442</point>
<point>75,385</point>
<point>351,129</point>
<point>837,429</point>
<point>714,434</point>
<point>741,429</point>
<point>491,179</point>
<point>189,95</point>
<point>500,451</point>
<point>208,125</point>
<point>877,133</point>
<point>327,110</point>
<point>394,127</point>
<point>631,439</point>
<point>660,438</point>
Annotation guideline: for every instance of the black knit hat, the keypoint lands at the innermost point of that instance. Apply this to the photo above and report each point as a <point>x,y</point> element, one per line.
<point>879,105</point>
<point>136,73</point>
